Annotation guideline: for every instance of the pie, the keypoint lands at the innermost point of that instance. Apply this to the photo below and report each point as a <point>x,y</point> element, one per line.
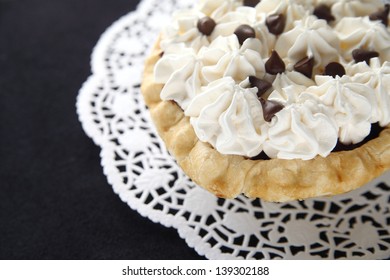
<point>275,99</point>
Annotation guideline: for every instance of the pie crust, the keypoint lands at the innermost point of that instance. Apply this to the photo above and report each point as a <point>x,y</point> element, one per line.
<point>275,180</point>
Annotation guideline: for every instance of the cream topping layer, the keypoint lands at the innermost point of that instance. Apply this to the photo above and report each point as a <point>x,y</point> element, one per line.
<point>309,37</point>
<point>207,76</point>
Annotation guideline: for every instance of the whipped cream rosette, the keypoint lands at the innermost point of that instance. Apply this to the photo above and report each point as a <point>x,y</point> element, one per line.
<point>376,77</point>
<point>275,84</point>
<point>184,31</point>
<point>246,15</point>
<point>301,131</point>
<point>226,57</point>
<point>312,38</point>
<point>350,104</point>
<point>289,10</point>
<point>180,74</point>
<point>287,87</point>
<point>362,32</point>
<point>351,8</point>
<point>218,8</point>
<point>229,117</point>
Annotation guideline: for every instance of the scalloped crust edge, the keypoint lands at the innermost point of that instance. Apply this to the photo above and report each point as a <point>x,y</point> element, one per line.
<point>275,180</point>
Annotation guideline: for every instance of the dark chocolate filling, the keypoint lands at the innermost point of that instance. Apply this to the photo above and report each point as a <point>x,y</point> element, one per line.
<point>261,156</point>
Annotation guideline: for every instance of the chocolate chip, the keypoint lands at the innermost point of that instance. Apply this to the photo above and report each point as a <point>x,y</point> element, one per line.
<point>275,64</point>
<point>206,25</point>
<point>244,32</point>
<point>276,24</point>
<point>382,15</point>
<point>305,66</point>
<point>334,69</point>
<point>270,108</point>
<point>262,85</point>
<point>251,3</point>
<point>360,55</point>
<point>323,12</point>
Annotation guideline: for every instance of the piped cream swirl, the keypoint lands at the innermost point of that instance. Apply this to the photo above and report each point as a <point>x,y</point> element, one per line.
<point>226,57</point>
<point>301,131</point>
<point>218,8</point>
<point>309,38</point>
<point>355,8</point>
<point>377,77</point>
<point>355,33</point>
<point>350,104</point>
<point>180,74</point>
<point>183,30</point>
<point>293,10</point>
<point>229,117</point>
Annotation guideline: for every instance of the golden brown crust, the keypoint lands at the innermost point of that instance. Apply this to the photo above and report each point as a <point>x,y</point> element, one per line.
<point>272,180</point>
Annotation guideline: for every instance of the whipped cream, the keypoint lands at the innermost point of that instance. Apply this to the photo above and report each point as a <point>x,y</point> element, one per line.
<point>310,37</point>
<point>349,102</point>
<point>376,77</point>
<point>287,87</point>
<point>352,8</point>
<point>225,57</point>
<point>183,30</point>
<point>363,33</point>
<point>292,9</point>
<point>179,72</point>
<point>246,15</point>
<point>301,131</point>
<point>218,8</point>
<point>229,117</point>
<point>209,76</point>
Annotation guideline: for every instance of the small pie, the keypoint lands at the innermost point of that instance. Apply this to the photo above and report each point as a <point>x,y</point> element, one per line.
<point>276,99</point>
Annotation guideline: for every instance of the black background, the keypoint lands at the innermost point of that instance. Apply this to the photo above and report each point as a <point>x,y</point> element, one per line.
<point>55,202</point>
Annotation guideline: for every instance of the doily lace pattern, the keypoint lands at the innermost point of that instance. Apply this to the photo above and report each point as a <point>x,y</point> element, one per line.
<point>141,171</point>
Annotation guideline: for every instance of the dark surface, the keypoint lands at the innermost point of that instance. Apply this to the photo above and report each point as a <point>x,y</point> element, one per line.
<point>55,202</point>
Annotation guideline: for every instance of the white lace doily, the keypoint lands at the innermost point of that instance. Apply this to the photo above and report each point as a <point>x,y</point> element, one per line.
<point>145,176</point>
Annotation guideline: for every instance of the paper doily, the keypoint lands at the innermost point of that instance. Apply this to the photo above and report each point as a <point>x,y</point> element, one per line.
<point>146,177</point>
